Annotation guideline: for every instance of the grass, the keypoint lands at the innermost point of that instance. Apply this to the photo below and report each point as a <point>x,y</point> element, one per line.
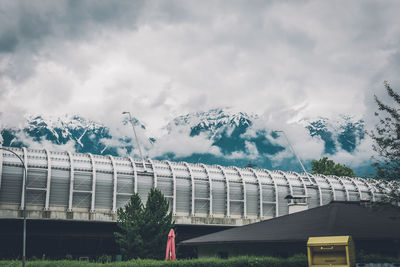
<point>297,261</point>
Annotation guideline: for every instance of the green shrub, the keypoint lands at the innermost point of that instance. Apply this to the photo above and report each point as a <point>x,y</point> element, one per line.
<point>375,258</point>
<point>69,257</point>
<point>297,261</point>
<point>104,258</point>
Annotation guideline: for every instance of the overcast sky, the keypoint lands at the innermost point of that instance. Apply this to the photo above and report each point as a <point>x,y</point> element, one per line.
<point>161,59</point>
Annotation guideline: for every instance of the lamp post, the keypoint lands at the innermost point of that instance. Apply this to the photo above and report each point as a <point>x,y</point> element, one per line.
<point>137,141</point>
<point>294,152</point>
<point>24,224</point>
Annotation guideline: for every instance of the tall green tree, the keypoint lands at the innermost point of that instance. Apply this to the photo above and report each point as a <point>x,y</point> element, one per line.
<point>329,167</point>
<point>143,230</point>
<point>130,223</point>
<point>386,136</point>
<point>157,224</point>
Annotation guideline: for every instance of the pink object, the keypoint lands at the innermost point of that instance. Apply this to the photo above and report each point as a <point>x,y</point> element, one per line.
<point>170,252</point>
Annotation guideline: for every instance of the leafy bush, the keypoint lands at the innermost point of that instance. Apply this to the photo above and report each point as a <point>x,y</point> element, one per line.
<point>295,261</point>
<point>375,258</point>
<point>104,258</point>
<point>69,257</point>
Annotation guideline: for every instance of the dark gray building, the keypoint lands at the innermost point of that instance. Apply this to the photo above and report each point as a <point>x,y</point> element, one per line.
<point>375,229</point>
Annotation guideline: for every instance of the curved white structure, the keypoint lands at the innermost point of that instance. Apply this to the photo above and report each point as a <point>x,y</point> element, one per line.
<point>66,185</point>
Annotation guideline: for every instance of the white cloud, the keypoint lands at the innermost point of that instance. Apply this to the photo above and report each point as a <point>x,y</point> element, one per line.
<point>161,59</point>
<point>44,144</point>
<point>249,56</point>
<point>181,144</point>
<point>360,156</point>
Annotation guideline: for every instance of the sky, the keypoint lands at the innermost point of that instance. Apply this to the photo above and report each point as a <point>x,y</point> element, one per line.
<point>162,59</point>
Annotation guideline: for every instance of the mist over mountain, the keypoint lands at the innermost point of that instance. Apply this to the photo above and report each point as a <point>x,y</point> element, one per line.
<point>218,136</point>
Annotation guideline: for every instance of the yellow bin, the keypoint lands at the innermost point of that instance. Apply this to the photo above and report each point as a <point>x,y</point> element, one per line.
<point>333,251</point>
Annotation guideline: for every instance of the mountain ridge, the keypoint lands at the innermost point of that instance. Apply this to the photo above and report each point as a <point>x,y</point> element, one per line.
<point>226,130</point>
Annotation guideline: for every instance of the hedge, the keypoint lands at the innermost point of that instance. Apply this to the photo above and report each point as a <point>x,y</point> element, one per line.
<point>296,261</point>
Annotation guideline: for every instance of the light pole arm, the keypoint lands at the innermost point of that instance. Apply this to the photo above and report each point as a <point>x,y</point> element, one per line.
<point>293,151</point>
<point>24,226</point>
<point>137,140</point>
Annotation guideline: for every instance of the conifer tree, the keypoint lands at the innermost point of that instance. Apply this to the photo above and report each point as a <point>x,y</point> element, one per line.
<point>130,223</point>
<point>157,224</point>
<point>144,230</point>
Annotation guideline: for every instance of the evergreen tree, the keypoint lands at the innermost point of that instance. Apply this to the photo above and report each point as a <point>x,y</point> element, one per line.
<point>157,224</point>
<point>387,137</point>
<point>326,166</point>
<point>130,222</point>
<point>144,230</point>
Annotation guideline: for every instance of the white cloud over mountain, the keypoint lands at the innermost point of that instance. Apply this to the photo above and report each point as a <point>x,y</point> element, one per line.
<point>284,60</point>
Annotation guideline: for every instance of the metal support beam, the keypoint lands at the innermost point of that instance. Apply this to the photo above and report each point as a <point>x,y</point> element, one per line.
<point>319,188</point>
<point>228,192</point>
<point>46,206</point>
<point>135,189</point>
<point>174,187</point>
<point>244,192</point>
<point>92,206</point>
<point>328,181</point>
<point>303,183</point>
<point>71,180</point>
<point>192,189</point>
<point>276,192</point>
<point>24,210</point>
<point>375,184</point>
<point>154,173</point>
<point>344,187</point>
<point>353,181</point>
<point>115,185</point>
<point>260,195</point>
<point>24,179</point>
<point>371,190</point>
<point>210,189</point>
<point>287,181</point>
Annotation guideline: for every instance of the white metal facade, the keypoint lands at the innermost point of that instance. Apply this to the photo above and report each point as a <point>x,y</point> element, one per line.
<point>72,181</point>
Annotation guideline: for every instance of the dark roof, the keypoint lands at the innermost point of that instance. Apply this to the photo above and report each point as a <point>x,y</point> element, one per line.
<point>337,218</point>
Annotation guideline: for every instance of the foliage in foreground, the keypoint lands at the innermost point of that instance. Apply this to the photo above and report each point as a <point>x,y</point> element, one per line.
<point>299,260</point>
<point>144,230</point>
<point>386,137</point>
<point>296,261</point>
<point>326,166</point>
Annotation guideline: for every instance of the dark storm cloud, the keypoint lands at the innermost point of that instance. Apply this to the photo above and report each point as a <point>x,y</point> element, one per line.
<point>261,55</point>
<point>8,41</point>
<point>33,20</point>
<point>26,27</point>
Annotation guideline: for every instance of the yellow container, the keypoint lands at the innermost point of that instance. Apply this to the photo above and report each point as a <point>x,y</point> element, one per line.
<point>333,251</point>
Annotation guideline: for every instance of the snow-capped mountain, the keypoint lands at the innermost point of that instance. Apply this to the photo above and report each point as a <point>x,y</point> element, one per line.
<point>341,133</point>
<point>80,134</point>
<point>213,121</point>
<point>235,138</point>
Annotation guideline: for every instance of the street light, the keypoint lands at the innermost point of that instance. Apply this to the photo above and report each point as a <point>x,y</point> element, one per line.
<point>24,227</point>
<point>137,141</point>
<point>294,152</point>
